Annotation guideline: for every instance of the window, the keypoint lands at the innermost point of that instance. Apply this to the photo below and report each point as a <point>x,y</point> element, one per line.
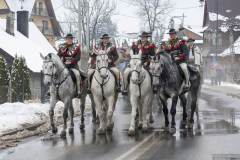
<point>40,8</point>
<point>45,26</point>
<point>35,9</point>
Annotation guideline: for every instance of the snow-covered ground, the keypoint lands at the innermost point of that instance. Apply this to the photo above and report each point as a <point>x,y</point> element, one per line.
<point>223,84</point>
<point>16,117</point>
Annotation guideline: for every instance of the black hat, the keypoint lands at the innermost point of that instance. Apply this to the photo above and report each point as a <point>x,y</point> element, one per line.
<point>145,34</point>
<point>105,36</point>
<point>172,31</point>
<point>69,35</point>
<point>191,40</point>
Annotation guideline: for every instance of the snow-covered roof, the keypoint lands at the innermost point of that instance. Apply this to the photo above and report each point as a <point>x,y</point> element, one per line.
<point>26,47</point>
<point>228,51</point>
<point>15,5</point>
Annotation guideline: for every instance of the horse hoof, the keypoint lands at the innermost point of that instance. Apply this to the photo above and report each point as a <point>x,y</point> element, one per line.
<point>71,130</point>
<point>110,127</point>
<point>173,130</point>
<point>54,130</point>
<point>82,126</point>
<point>183,125</point>
<point>151,120</point>
<point>131,132</point>
<point>63,134</point>
<point>101,131</point>
<point>144,129</point>
<point>190,126</point>
<point>140,125</point>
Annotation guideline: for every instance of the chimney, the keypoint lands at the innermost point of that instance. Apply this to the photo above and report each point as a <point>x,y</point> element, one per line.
<point>22,22</point>
<point>10,23</point>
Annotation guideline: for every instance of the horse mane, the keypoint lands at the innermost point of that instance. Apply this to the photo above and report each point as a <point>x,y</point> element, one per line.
<point>55,58</point>
<point>168,73</point>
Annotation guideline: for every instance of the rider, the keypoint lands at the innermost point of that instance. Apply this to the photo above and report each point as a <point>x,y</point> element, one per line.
<point>70,54</point>
<point>147,48</point>
<point>105,44</point>
<point>179,45</point>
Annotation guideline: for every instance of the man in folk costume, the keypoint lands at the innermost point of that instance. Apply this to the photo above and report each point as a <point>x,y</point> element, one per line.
<point>195,56</point>
<point>105,44</point>
<point>148,49</point>
<point>180,52</point>
<point>70,54</point>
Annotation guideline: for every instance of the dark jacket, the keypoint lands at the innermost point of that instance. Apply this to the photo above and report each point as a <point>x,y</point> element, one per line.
<point>178,47</point>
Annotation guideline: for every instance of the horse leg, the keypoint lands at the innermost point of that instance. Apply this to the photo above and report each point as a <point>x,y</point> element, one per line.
<point>111,103</point>
<point>184,105</point>
<point>94,116</point>
<point>147,101</point>
<point>151,119</point>
<point>165,110</point>
<point>134,104</point>
<point>140,113</point>
<point>100,112</point>
<point>71,111</point>
<point>53,102</point>
<point>65,116</point>
<point>193,109</point>
<point>82,108</point>
<point>173,111</point>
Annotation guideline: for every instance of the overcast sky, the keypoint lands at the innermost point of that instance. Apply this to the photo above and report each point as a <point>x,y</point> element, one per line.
<point>128,21</point>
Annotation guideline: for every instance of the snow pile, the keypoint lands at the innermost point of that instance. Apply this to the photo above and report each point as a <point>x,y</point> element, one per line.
<point>14,115</point>
<point>19,116</point>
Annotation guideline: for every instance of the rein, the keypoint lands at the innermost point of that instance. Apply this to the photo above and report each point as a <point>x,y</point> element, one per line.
<point>139,83</point>
<point>54,78</point>
<point>102,84</point>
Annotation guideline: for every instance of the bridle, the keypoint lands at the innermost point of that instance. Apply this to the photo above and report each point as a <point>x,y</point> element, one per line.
<point>54,77</point>
<point>154,74</point>
<point>104,80</point>
<point>103,67</point>
<point>141,77</point>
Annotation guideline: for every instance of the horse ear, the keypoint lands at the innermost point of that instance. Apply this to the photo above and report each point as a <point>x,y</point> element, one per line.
<point>42,56</point>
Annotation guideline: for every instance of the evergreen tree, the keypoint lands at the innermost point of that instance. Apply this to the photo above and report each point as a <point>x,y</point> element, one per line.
<point>20,78</point>
<point>4,80</point>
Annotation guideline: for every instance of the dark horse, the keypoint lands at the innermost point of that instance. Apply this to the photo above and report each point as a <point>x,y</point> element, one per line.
<point>169,80</point>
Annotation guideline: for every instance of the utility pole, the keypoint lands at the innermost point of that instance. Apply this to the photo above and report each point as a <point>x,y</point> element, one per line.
<point>79,37</point>
<point>217,32</point>
<point>88,26</point>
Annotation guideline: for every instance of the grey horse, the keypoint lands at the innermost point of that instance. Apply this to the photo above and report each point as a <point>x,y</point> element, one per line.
<point>169,80</point>
<point>63,88</point>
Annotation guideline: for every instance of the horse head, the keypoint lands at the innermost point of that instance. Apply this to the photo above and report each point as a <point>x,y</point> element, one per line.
<point>155,68</point>
<point>136,66</point>
<point>102,63</point>
<point>51,67</point>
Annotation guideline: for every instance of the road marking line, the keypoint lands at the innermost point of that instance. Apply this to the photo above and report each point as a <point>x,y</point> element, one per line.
<point>125,155</point>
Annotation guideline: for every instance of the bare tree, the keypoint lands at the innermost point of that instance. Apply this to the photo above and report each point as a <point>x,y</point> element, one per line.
<point>93,13</point>
<point>153,11</point>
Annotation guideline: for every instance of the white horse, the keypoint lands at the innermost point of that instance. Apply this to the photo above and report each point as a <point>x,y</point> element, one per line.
<point>62,88</point>
<point>104,92</point>
<point>141,94</point>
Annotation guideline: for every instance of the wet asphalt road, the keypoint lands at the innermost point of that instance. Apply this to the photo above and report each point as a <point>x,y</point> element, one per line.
<point>216,137</point>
